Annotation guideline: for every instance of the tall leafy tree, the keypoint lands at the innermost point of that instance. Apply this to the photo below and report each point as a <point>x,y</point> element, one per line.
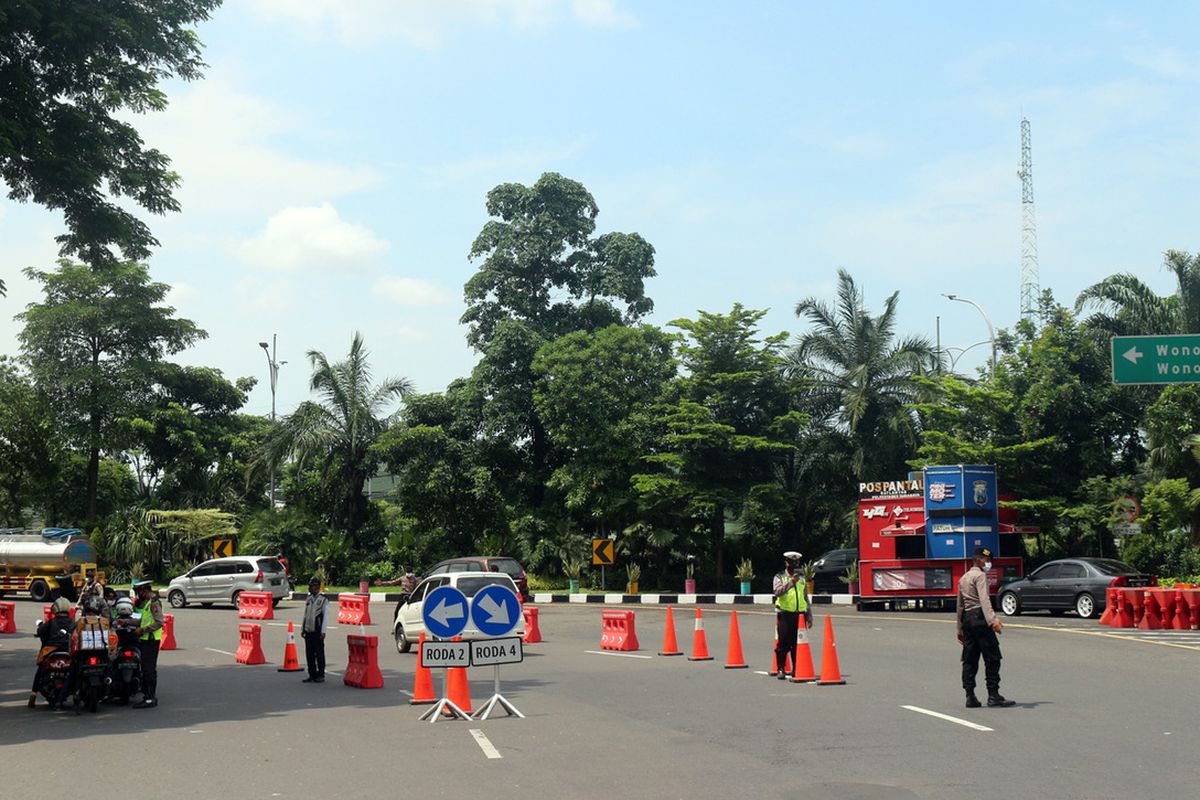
<point>95,346</point>
<point>1124,305</point>
<point>853,369</point>
<point>31,450</point>
<point>70,74</point>
<point>337,431</point>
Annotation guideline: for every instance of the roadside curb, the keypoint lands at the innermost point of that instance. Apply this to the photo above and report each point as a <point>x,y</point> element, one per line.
<point>637,599</point>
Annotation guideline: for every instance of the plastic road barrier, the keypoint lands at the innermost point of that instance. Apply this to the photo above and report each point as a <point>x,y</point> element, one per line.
<point>1183,618</point>
<point>8,618</point>
<point>1164,599</point>
<point>1193,600</point>
<point>354,609</point>
<point>619,632</point>
<point>168,639</point>
<point>1150,619</point>
<point>250,644</point>
<point>1135,601</point>
<point>362,666</point>
<point>256,605</point>
<point>533,633</point>
<point>1109,617</point>
<point>48,612</point>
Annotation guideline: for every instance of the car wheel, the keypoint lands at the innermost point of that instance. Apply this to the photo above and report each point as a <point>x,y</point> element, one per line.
<point>176,599</point>
<point>236,598</point>
<point>1085,606</point>
<point>403,645</point>
<point>1010,604</point>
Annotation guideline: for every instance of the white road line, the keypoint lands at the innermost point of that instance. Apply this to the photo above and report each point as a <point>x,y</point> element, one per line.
<point>762,672</point>
<point>222,652</point>
<point>405,691</point>
<point>948,718</point>
<point>619,655</point>
<point>485,745</point>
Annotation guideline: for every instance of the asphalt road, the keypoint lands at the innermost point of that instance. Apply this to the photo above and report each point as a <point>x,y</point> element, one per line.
<point>1099,716</point>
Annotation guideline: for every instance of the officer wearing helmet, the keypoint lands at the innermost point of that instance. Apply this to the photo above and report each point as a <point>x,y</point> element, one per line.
<point>55,634</point>
<point>791,601</point>
<point>148,611</point>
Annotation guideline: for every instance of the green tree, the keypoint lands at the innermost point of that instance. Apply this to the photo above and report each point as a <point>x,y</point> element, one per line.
<point>339,429</point>
<point>31,450</point>
<point>70,74</point>
<point>1124,305</point>
<point>95,346</point>
<point>852,369</point>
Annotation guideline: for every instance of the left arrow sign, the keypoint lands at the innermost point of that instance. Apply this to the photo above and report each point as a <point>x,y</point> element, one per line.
<point>1133,354</point>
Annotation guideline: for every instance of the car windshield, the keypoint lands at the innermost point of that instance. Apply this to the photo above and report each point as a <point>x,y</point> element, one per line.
<point>472,584</point>
<point>1110,566</point>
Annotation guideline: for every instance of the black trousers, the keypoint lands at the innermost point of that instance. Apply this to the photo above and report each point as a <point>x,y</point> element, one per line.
<point>314,654</point>
<point>980,640</point>
<point>149,652</point>
<point>787,624</point>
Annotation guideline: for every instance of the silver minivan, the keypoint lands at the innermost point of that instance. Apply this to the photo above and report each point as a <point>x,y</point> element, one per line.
<point>221,580</point>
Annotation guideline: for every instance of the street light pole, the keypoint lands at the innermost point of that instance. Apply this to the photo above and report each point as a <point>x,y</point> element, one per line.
<point>982,313</point>
<point>273,371</point>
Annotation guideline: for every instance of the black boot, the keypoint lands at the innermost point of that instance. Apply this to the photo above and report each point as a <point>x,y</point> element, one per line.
<point>972,700</point>
<point>998,700</point>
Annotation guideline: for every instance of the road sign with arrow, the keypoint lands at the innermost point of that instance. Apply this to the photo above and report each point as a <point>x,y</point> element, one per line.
<point>222,548</point>
<point>495,610</point>
<point>602,552</point>
<point>1155,359</point>
<point>445,612</point>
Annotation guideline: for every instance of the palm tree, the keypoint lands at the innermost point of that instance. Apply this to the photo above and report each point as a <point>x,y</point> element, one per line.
<point>340,428</point>
<point>851,371</point>
<point>1126,306</point>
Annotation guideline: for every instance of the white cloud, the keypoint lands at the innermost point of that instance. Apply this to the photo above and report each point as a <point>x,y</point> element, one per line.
<point>220,141</point>
<point>602,14</point>
<point>263,296</point>
<point>311,237</point>
<point>179,293</point>
<point>411,291</point>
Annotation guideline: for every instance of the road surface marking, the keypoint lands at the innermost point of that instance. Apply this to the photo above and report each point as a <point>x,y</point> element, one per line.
<point>222,652</point>
<point>762,672</point>
<point>486,746</point>
<point>405,691</point>
<point>619,655</point>
<point>948,718</point>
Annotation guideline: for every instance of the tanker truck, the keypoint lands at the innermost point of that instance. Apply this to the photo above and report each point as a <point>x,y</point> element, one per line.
<point>55,562</point>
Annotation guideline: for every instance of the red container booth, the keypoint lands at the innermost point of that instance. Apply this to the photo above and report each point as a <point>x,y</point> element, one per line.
<point>916,536</point>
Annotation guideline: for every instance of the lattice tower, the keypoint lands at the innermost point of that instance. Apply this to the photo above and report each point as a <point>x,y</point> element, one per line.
<point>1030,288</point>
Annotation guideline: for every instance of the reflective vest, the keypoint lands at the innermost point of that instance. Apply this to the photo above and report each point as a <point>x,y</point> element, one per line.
<point>147,621</point>
<point>793,599</point>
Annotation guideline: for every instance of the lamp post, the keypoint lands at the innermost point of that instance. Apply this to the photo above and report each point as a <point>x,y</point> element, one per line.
<point>982,313</point>
<point>273,369</point>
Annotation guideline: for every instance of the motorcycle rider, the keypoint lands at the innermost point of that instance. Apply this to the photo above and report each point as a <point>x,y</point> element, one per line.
<point>55,634</point>
<point>149,631</point>
<point>124,637</point>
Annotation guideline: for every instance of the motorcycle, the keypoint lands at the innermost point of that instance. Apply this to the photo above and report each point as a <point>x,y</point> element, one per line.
<point>125,672</point>
<point>91,678</point>
<point>56,677</point>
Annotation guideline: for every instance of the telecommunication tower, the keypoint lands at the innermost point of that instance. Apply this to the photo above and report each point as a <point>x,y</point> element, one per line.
<point>1030,289</point>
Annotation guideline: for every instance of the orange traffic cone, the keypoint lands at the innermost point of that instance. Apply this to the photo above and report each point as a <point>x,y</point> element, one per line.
<point>735,659</point>
<point>804,664</point>
<point>458,689</point>
<point>670,646</point>
<point>423,682</point>
<point>830,673</point>
<point>699,641</point>
<point>290,662</point>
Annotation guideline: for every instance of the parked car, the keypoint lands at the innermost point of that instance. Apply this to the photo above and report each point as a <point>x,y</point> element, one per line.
<point>221,580</point>
<point>409,622</point>
<point>509,566</point>
<point>830,568</point>
<point>1070,584</point>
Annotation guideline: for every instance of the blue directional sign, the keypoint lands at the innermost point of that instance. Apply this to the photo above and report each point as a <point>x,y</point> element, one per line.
<point>445,612</point>
<point>495,610</point>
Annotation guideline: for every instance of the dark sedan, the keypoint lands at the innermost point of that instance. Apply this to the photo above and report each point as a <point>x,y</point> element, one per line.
<point>1068,584</point>
<point>828,570</point>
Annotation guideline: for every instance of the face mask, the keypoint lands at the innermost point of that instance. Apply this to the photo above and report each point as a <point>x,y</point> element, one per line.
<point>987,565</point>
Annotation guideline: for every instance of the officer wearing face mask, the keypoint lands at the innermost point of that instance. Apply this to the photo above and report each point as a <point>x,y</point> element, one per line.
<point>977,629</point>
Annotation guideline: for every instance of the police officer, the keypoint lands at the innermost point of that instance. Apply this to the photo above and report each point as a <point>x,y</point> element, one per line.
<point>312,630</point>
<point>977,629</point>
<point>790,602</point>
<point>149,632</point>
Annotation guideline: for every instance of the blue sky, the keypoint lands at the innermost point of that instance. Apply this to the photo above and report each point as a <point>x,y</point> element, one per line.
<point>336,157</point>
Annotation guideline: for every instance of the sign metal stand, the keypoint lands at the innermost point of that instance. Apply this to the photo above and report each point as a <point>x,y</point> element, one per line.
<point>498,699</point>
<point>445,705</point>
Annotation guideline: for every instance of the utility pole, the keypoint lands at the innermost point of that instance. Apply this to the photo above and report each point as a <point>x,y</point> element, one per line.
<point>1030,281</point>
<point>273,371</point>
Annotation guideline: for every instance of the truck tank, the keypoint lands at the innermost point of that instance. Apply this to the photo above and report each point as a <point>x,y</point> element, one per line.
<point>54,554</point>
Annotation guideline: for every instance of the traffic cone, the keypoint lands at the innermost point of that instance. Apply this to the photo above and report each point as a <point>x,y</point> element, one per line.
<point>831,675</point>
<point>735,659</point>
<point>290,662</point>
<point>423,682</point>
<point>804,664</point>
<point>699,641</point>
<point>458,689</point>
<point>670,646</point>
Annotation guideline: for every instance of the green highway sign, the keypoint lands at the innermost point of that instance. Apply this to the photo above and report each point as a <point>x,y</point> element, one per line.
<point>1156,359</point>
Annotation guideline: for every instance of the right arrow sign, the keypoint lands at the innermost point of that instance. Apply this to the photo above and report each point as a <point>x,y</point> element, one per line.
<point>1156,359</point>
